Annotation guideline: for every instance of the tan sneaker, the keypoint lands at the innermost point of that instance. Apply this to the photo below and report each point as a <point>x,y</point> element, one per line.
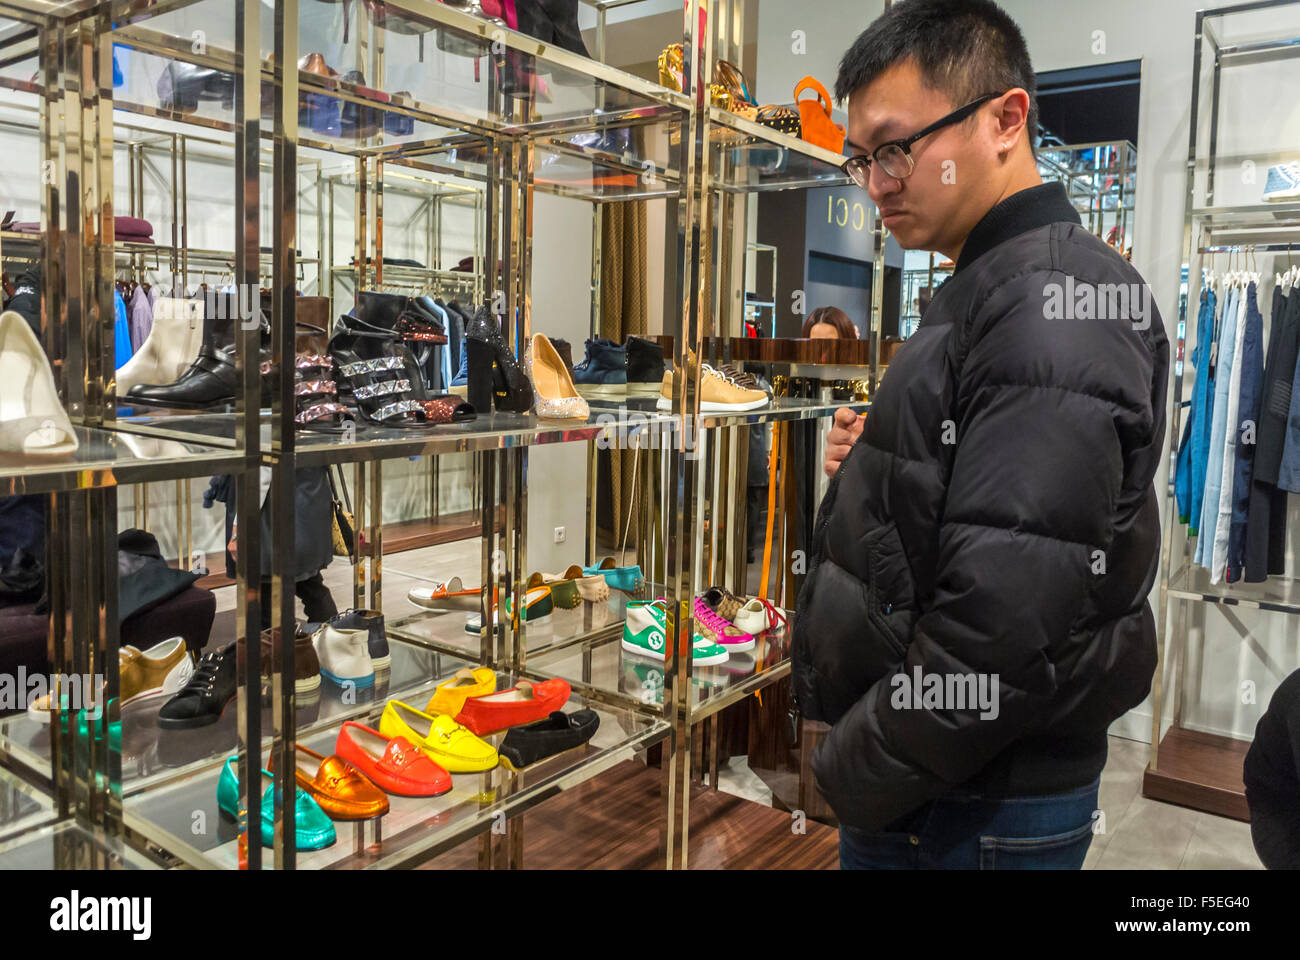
<point>719,393</point>
<point>160,671</point>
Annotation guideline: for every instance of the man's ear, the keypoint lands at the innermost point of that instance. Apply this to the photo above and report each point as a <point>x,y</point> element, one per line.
<point>1012,114</point>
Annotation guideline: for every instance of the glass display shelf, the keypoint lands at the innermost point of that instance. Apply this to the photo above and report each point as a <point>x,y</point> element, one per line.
<point>1258,215</point>
<point>617,163</point>
<point>416,828</point>
<point>437,67</point>
<point>152,755</point>
<point>106,458</point>
<point>563,628</point>
<point>602,667</point>
<point>782,408</point>
<point>491,431</point>
<point>68,845</point>
<point>765,159</point>
<point>1279,594</point>
<point>22,806</point>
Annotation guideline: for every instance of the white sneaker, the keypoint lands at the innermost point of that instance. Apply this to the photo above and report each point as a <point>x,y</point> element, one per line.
<point>344,656</point>
<point>752,617</point>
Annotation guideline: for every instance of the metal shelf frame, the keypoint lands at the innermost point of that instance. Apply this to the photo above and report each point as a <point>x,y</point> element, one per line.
<point>701,164</point>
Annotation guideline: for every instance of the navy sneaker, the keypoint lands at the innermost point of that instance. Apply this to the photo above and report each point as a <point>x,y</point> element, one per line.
<point>604,372</point>
<point>645,367</point>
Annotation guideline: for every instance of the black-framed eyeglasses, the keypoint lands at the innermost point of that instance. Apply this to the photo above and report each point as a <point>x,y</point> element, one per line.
<point>895,157</point>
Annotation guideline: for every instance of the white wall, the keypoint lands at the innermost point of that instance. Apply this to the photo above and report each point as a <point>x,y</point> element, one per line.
<point>557,473</point>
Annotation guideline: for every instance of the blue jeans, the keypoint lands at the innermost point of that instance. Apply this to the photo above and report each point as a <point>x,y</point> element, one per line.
<point>968,832</point>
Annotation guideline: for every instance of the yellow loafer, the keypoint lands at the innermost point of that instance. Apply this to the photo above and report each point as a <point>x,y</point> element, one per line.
<point>450,696</point>
<point>443,740</point>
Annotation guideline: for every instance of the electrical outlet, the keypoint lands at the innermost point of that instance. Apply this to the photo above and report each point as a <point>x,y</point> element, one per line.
<point>560,534</point>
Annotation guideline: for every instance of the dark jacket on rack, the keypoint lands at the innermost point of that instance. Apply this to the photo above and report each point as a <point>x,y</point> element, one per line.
<point>1266,516</point>
<point>995,523</point>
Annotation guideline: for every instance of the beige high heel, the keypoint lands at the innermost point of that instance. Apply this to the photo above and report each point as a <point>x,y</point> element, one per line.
<point>32,420</point>
<point>554,394</point>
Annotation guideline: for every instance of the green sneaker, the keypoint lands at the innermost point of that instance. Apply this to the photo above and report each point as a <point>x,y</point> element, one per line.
<point>644,633</point>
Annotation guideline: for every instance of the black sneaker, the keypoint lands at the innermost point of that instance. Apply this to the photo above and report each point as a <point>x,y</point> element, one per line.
<point>604,371</point>
<point>202,701</point>
<point>546,738</point>
<point>645,367</point>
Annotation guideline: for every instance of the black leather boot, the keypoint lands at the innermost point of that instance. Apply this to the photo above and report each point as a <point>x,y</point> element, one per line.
<point>211,382</point>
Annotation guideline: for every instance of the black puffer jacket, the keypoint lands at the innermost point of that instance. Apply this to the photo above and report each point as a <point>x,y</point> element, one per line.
<point>997,516</point>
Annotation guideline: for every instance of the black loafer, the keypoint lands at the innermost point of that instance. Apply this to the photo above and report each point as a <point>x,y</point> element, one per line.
<point>557,733</point>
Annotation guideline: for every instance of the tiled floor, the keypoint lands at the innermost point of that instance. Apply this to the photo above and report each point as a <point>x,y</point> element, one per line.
<point>1144,834</point>
<point>1137,833</point>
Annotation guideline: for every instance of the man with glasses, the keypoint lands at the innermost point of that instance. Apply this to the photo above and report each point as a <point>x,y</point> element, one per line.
<point>976,612</point>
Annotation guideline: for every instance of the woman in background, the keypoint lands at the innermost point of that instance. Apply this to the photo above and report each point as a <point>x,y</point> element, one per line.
<point>829,323</point>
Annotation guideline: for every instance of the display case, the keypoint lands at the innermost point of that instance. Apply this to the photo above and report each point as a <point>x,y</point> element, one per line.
<point>1101,182</point>
<point>330,117</point>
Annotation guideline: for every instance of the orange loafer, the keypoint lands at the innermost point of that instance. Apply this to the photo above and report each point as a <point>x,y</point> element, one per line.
<point>339,788</point>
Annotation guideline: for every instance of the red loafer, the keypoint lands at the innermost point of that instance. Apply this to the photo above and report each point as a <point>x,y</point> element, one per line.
<point>527,702</point>
<point>396,765</point>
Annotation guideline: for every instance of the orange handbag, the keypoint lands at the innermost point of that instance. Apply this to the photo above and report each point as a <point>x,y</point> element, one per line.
<point>815,117</point>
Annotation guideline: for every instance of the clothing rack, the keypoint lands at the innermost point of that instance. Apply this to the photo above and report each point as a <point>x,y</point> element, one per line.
<point>1191,766</point>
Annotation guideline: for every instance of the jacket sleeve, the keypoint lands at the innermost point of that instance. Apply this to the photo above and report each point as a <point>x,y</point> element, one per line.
<point>1043,406</point>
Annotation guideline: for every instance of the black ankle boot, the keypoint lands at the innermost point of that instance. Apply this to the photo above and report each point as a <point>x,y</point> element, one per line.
<point>495,375</point>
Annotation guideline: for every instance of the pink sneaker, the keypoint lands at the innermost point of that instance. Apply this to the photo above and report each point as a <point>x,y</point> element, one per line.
<point>714,626</point>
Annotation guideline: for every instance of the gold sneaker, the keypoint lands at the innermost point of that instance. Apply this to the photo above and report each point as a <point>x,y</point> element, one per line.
<point>160,671</point>
<point>719,393</point>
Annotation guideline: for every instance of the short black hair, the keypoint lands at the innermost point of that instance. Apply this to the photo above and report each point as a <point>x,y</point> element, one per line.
<point>965,48</point>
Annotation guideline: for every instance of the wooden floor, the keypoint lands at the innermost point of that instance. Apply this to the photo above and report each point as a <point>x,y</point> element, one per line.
<point>612,822</point>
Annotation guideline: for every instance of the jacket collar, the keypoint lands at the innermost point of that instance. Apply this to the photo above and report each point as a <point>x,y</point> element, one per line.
<point>1019,213</point>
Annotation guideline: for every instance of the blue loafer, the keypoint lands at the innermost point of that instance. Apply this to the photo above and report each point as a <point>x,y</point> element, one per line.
<point>312,829</point>
<point>627,579</point>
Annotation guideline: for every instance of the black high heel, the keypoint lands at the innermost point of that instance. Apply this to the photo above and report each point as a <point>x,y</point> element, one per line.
<point>480,368</point>
<point>490,357</point>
